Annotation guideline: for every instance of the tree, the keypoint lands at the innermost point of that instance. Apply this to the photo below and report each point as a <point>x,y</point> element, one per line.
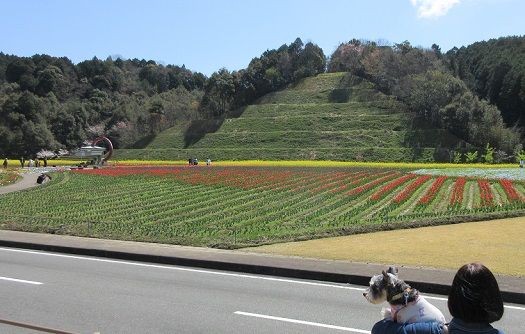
<point>457,157</point>
<point>311,61</point>
<point>156,116</point>
<point>51,79</point>
<point>471,157</point>
<point>219,92</point>
<point>488,157</point>
<point>437,50</point>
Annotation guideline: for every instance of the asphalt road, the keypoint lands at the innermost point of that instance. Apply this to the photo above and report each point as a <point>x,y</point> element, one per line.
<point>94,295</point>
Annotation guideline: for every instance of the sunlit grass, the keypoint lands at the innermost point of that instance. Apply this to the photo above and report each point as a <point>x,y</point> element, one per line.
<point>496,243</point>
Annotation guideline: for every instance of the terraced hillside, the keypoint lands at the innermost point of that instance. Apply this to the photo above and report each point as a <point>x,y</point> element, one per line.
<point>333,116</point>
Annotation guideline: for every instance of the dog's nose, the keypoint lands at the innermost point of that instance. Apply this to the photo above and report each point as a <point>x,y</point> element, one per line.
<point>364,294</point>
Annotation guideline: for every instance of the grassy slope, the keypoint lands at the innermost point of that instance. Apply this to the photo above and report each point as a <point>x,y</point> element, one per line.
<point>333,116</point>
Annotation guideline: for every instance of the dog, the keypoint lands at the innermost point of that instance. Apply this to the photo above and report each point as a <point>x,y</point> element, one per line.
<point>406,304</point>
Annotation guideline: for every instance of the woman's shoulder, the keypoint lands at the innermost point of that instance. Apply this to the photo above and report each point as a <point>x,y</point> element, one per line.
<point>467,331</point>
<point>389,327</point>
<point>458,326</point>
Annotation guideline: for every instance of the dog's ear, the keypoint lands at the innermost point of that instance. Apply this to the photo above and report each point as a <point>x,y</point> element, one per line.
<point>392,270</point>
<point>385,276</point>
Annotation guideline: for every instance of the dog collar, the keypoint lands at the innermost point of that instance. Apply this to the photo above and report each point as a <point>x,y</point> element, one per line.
<point>400,295</point>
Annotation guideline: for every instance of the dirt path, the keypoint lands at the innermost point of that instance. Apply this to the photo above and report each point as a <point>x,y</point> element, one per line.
<point>28,181</point>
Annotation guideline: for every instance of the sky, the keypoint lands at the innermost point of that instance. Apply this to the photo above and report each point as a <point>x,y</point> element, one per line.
<point>206,35</point>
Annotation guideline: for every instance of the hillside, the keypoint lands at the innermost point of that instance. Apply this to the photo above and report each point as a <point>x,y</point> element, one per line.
<point>333,116</point>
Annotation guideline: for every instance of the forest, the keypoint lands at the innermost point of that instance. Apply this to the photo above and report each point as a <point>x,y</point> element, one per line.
<point>49,103</point>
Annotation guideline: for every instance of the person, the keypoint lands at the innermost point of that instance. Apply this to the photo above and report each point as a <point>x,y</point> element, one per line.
<point>30,163</point>
<point>22,161</point>
<point>474,302</point>
<point>37,162</point>
<point>190,161</point>
<point>521,163</point>
<point>5,163</point>
<point>208,162</point>
<point>45,161</point>
<point>42,178</point>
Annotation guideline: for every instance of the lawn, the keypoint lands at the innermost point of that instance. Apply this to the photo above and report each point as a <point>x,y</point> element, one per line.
<point>498,244</point>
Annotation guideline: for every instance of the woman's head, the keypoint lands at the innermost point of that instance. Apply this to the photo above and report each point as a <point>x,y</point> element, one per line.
<point>474,295</point>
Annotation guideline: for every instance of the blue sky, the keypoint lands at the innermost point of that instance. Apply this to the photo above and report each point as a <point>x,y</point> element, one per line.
<point>206,35</point>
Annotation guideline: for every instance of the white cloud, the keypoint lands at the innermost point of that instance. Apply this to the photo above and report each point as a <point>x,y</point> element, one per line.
<point>433,8</point>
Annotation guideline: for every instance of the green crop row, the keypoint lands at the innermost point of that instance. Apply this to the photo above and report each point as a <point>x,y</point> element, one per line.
<point>233,207</point>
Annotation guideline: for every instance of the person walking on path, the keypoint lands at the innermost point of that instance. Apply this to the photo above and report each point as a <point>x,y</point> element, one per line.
<point>5,163</point>
<point>474,302</point>
<point>22,161</point>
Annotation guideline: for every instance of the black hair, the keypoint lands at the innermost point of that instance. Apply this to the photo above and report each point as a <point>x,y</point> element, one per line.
<point>475,296</point>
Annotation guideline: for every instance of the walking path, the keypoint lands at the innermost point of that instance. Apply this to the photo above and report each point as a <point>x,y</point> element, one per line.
<point>28,181</point>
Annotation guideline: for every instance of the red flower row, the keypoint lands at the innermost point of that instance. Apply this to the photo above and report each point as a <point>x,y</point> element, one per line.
<point>389,187</point>
<point>512,195</point>
<point>457,192</point>
<point>487,199</point>
<point>370,185</point>
<point>410,189</point>
<point>432,192</point>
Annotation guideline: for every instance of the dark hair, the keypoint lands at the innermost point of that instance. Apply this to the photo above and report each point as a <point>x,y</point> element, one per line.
<point>474,295</point>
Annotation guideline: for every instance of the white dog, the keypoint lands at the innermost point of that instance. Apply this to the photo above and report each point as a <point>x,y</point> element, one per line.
<point>406,305</point>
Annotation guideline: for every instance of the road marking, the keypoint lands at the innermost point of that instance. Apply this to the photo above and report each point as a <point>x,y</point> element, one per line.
<point>506,306</point>
<point>514,307</point>
<point>302,322</point>
<point>19,280</point>
<point>436,298</point>
<point>174,267</point>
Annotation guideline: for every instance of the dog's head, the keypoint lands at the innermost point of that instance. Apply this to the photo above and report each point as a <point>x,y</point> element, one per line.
<point>383,287</point>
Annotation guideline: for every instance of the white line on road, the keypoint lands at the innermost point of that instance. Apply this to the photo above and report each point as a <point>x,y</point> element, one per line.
<point>138,264</point>
<point>19,280</point>
<point>506,306</point>
<point>267,278</point>
<point>302,322</point>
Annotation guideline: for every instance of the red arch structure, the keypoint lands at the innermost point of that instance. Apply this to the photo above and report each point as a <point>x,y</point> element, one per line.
<point>109,145</point>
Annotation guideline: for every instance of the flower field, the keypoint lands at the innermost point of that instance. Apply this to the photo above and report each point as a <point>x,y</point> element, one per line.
<point>240,206</point>
<point>8,177</point>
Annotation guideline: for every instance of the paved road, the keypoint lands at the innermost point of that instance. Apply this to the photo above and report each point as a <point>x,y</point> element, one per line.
<point>87,295</point>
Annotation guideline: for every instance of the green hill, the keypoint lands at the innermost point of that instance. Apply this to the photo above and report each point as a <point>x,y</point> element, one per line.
<point>333,116</point>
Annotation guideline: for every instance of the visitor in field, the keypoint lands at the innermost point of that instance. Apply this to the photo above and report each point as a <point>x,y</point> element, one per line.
<point>22,161</point>
<point>474,302</point>
<point>190,161</point>
<point>42,178</point>
<point>208,162</point>
<point>5,163</point>
<point>45,161</point>
<point>37,162</point>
